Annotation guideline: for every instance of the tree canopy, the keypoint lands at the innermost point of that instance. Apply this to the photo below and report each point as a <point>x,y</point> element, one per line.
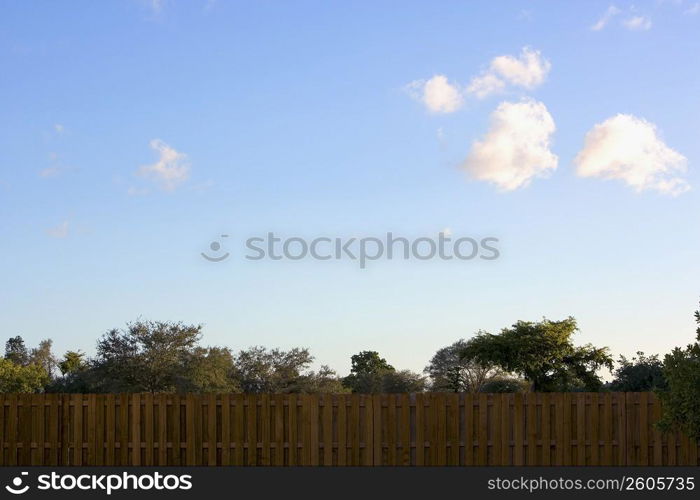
<point>543,353</point>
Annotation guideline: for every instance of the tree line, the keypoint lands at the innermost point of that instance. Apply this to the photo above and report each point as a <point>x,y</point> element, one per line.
<point>155,356</point>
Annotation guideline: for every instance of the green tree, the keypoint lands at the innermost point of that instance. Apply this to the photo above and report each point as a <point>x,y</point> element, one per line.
<point>452,372</point>
<point>16,351</point>
<point>147,356</point>
<point>324,381</point>
<point>681,408</point>
<point>208,369</point>
<point>22,378</point>
<point>366,373</point>
<point>72,362</point>
<point>641,373</point>
<point>261,370</point>
<point>43,356</point>
<point>401,381</point>
<point>543,353</point>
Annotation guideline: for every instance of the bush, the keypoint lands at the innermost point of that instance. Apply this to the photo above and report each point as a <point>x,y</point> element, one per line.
<point>681,409</point>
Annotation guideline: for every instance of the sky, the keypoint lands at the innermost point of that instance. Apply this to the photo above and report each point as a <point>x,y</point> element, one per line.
<point>135,133</point>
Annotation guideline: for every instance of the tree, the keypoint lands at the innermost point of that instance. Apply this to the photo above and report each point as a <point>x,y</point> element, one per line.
<point>542,353</point>
<point>16,351</point>
<point>402,381</point>
<point>641,373</point>
<point>22,378</point>
<point>681,408</point>
<point>259,370</point>
<point>505,384</point>
<point>72,362</point>
<point>366,373</point>
<point>324,381</point>
<point>209,369</point>
<point>43,356</point>
<point>450,371</point>
<point>148,356</point>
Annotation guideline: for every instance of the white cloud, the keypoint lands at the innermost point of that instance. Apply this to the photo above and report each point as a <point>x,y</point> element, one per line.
<point>60,231</point>
<point>171,169</point>
<point>516,148</point>
<point>485,84</point>
<point>438,94</point>
<point>628,148</point>
<point>528,70</point>
<point>611,12</point>
<point>59,128</point>
<point>637,23</point>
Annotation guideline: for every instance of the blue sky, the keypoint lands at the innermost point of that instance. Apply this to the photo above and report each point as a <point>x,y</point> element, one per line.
<point>134,133</point>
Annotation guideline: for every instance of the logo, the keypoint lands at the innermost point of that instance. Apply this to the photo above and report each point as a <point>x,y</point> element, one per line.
<point>17,483</point>
<point>215,246</point>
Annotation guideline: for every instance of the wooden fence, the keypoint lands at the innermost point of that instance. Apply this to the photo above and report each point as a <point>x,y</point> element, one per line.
<point>387,429</point>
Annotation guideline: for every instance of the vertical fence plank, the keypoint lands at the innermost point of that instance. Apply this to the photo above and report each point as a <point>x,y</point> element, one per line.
<point>405,429</point>
<point>657,435</point>
<point>91,429</point>
<point>53,428</point>
<point>124,429</point>
<point>77,400</point>
<point>468,429</point>
<point>581,429</point>
<point>546,430</point>
<point>497,429</point>
<point>264,420</point>
<point>239,428</point>
<point>147,418</point>
<point>420,429</point>
<point>643,429</point>
<point>211,429</point>
<point>532,428</point>
<point>505,425</point>
<point>293,411</point>
<point>595,428</point>
<point>225,429</point>
<point>38,402</point>
<point>390,428</point>
<point>377,448</point>
<point>189,427</point>
<point>163,430</point>
<point>279,429</point>
<point>175,426</point>
<point>518,424</point>
<point>342,425</point>
<point>327,430</point>
<point>483,451</point>
<point>136,429</point>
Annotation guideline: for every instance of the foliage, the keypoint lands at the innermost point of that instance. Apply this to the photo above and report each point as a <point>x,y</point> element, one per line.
<point>452,372</point>
<point>503,384</point>
<point>148,356</point>
<point>16,351</point>
<point>207,369</point>
<point>543,354</point>
<point>43,356</point>
<point>367,372</point>
<point>271,370</point>
<point>72,362</point>
<point>21,378</point>
<point>681,400</point>
<point>402,381</point>
<point>641,373</point>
